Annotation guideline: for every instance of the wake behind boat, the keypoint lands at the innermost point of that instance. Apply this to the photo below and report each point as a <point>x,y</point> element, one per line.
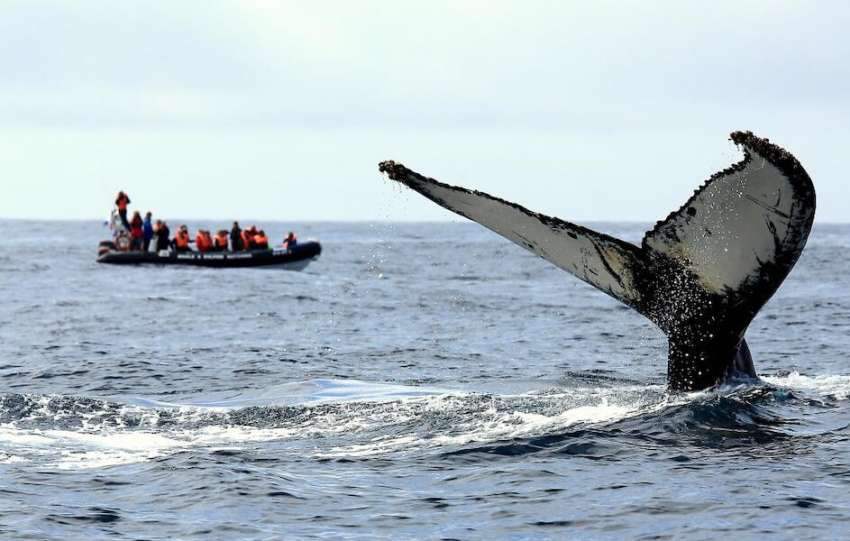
<point>294,258</point>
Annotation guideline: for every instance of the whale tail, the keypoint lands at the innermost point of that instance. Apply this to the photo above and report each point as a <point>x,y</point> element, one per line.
<point>700,275</point>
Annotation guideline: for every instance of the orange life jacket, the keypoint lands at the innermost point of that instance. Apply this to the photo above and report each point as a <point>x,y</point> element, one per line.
<point>181,239</point>
<point>246,240</point>
<point>261,241</point>
<point>221,241</point>
<point>122,202</point>
<point>204,242</point>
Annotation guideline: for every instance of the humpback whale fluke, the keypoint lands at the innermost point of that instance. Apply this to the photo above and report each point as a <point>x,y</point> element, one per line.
<point>700,275</point>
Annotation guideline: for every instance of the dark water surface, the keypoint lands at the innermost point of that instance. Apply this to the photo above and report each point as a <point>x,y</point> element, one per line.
<point>419,381</point>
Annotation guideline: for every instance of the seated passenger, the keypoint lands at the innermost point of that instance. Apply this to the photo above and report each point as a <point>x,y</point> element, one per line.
<point>123,241</point>
<point>204,241</point>
<point>201,242</point>
<point>261,241</point>
<point>181,240</point>
<point>208,241</point>
<point>290,241</point>
<point>248,238</point>
<point>220,241</point>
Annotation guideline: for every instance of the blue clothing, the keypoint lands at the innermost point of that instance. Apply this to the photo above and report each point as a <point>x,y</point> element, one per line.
<point>147,229</point>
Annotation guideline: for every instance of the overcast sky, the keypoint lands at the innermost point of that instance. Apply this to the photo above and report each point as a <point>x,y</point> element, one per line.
<point>282,110</point>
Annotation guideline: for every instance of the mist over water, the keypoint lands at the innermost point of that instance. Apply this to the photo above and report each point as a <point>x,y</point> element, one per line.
<point>416,381</point>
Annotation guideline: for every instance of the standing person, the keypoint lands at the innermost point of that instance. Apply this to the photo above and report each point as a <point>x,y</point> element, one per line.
<point>136,232</point>
<point>236,237</point>
<point>147,230</point>
<point>121,202</point>
<point>162,235</point>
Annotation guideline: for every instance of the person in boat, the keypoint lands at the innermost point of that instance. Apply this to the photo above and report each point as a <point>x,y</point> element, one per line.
<point>220,241</point>
<point>200,244</point>
<point>181,240</point>
<point>162,234</point>
<point>261,241</point>
<point>136,232</point>
<point>121,202</point>
<point>203,241</point>
<point>290,241</point>
<point>248,238</point>
<point>147,232</point>
<point>236,237</point>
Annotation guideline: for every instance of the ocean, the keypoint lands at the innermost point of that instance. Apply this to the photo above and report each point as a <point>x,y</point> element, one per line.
<point>417,381</point>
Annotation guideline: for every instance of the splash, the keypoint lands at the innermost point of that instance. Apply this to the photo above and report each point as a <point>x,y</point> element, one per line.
<point>328,419</point>
<point>323,418</point>
<point>835,387</point>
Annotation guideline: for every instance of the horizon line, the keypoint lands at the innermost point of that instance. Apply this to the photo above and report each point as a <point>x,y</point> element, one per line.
<point>352,221</point>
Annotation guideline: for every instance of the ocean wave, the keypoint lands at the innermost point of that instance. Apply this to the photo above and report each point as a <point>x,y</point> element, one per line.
<point>330,419</point>
<point>835,387</point>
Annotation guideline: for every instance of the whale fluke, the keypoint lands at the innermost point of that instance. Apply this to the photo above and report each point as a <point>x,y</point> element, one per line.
<point>700,275</point>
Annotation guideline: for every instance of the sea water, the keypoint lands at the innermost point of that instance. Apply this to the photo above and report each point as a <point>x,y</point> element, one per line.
<point>417,381</point>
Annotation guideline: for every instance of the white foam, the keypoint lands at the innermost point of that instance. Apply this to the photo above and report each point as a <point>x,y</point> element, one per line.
<point>398,419</point>
<point>123,441</point>
<point>493,425</point>
<point>14,436</point>
<point>832,386</point>
<point>67,449</point>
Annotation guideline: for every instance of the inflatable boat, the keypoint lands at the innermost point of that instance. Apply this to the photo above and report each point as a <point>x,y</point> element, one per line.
<point>295,258</point>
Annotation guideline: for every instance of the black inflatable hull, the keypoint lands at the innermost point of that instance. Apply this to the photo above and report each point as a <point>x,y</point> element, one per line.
<point>295,259</point>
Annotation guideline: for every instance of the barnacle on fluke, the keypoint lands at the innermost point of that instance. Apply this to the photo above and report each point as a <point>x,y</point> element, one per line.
<point>700,275</point>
